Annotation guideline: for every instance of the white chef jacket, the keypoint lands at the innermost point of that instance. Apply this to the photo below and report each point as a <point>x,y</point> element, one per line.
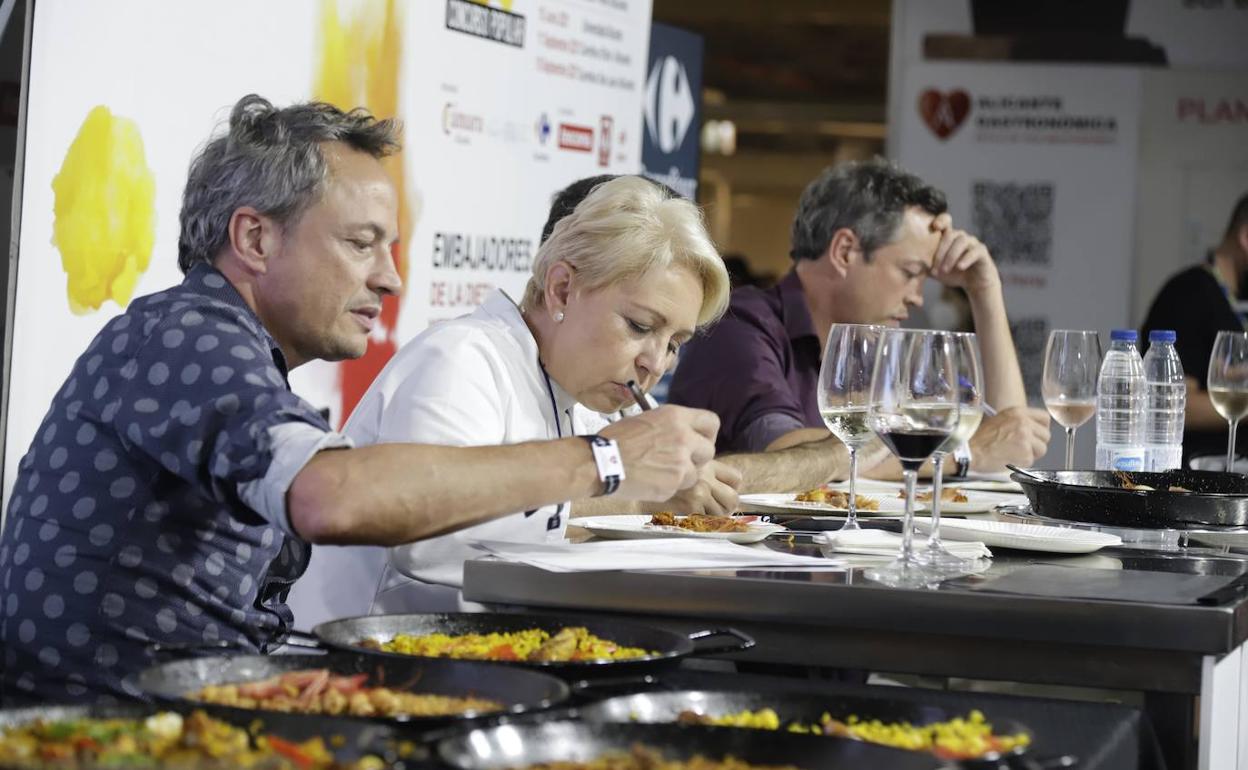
<point>472,381</point>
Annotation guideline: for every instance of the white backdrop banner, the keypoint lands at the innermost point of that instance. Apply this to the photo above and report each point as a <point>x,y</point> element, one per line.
<point>1193,168</point>
<point>503,103</point>
<point>1039,163</point>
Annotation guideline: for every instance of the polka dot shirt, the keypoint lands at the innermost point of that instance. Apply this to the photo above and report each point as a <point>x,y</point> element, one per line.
<point>127,525</point>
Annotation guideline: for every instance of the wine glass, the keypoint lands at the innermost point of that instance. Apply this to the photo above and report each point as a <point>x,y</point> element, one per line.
<point>914,409</point>
<point>1228,383</point>
<point>845,395</point>
<point>970,379</point>
<point>1072,364</point>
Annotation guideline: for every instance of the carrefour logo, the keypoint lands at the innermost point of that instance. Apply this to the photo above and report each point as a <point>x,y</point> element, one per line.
<point>669,104</point>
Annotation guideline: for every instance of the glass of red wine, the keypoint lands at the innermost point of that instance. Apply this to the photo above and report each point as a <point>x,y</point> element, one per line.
<point>914,410</point>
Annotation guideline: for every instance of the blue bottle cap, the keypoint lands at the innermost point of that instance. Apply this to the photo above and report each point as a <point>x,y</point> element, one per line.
<point>1162,335</point>
<point>1123,335</point>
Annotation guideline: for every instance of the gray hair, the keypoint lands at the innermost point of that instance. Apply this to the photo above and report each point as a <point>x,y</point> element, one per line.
<point>868,197</point>
<point>626,227</point>
<point>269,159</point>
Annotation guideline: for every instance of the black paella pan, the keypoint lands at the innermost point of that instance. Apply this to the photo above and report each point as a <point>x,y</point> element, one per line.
<point>1180,499</point>
<point>666,707</point>
<point>347,739</point>
<point>667,648</point>
<point>517,689</point>
<point>518,745</point>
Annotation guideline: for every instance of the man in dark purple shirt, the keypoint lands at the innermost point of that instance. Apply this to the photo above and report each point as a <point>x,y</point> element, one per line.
<point>865,237</point>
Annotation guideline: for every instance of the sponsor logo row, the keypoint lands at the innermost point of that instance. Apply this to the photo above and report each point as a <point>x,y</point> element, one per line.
<point>462,125</point>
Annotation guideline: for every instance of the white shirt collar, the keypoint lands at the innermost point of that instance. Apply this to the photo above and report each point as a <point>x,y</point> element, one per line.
<point>501,306</point>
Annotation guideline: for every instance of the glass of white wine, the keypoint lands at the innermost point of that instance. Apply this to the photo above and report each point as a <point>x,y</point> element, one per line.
<point>970,377</point>
<point>845,395</point>
<point>1072,364</point>
<point>1228,383</point>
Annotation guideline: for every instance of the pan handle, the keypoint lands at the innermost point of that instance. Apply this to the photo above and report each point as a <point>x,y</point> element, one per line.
<point>597,689</point>
<point>303,640</point>
<point>743,641</point>
<point>172,649</point>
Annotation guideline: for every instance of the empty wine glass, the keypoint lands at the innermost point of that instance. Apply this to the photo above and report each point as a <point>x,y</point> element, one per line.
<point>1072,363</point>
<point>914,409</point>
<point>1228,383</point>
<point>845,395</point>
<point>970,379</point>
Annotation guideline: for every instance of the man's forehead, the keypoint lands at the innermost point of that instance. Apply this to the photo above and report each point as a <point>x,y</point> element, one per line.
<point>915,241</point>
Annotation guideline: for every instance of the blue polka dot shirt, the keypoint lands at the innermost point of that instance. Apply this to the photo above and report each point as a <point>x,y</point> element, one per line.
<point>127,525</point>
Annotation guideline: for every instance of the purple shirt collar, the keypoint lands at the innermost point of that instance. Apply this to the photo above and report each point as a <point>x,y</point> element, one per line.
<point>797,320</point>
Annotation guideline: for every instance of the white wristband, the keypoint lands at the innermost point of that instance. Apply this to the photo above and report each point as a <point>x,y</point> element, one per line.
<point>610,464</point>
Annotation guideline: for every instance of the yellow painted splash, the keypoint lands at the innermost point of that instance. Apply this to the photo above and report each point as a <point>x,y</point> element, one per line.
<point>104,211</point>
<point>359,67</point>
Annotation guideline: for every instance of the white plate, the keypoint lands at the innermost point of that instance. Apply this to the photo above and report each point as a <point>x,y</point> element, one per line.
<point>991,485</point>
<point>976,501</point>
<point>1026,537</point>
<point>786,502</point>
<point>630,527</point>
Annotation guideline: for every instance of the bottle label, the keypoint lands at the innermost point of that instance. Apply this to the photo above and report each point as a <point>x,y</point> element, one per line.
<point>1124,459</point>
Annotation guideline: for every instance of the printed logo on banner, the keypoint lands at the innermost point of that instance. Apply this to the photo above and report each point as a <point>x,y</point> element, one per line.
<point>1223,110</point>
<point>944,112</point>
<point>605,128</point>
<point>543,129</point>
<point>576,138</point>
<point>455,120</point>
<point>670,145</point>
<point>1015,221</point>
<point>1035,118</point>
<point>669,104</point>
<point>1030,335</point>
<point>480,19</point>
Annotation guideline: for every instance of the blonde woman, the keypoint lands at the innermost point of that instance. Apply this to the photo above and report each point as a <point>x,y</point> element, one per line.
<point>622,282</point>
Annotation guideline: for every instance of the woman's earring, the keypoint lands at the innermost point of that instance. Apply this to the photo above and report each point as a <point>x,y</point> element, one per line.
<point>558,316</point>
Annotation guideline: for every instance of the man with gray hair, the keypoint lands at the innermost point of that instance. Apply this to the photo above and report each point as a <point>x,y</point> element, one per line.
<point>865,237</point>
<point>175,486</point>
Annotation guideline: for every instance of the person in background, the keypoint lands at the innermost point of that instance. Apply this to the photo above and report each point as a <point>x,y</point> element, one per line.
<point>625,278</point>
<point>175,485</point>
<point>1197,303</point>
<point>865,238</point>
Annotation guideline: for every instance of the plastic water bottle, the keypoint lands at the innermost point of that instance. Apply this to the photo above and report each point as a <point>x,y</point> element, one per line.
<point>1165,398</point>
<point>1120,405</point>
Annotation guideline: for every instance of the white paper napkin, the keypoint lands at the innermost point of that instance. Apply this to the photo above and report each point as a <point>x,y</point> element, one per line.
<point>877,542</point>
<point>655,554</point>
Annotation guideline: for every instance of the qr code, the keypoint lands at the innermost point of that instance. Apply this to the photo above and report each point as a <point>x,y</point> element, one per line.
<point>1015,221</point>
<point>1030,336</point>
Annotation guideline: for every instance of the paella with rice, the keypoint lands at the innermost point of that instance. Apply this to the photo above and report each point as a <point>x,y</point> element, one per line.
<point>163,740</point>
<point>533,645</point>
<point>645,758</point>
<point>969,737</point>
<point>319,691</point>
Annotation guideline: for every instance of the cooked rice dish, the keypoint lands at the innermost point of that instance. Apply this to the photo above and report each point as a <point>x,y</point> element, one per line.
<point>570,644</point>
<point>837,499</point>
<point>644,758</point>
<point>961,738</point>
<point>698,522</point>
<point>320,692</point>
<point>163,740</point>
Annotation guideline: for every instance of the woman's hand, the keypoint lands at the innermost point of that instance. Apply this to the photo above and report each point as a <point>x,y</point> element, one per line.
<point>715,493</point>
<point>663,450</point>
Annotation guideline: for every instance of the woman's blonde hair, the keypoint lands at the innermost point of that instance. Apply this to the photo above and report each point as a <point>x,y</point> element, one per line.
<point>625,228</point>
